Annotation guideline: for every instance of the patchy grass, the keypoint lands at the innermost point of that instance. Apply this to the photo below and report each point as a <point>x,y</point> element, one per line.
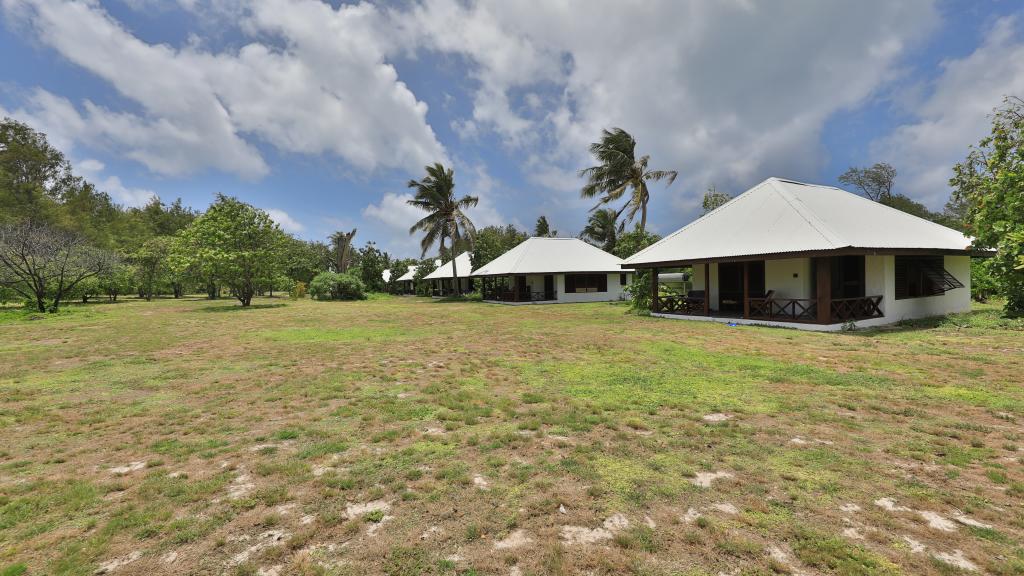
<point>409,436</point>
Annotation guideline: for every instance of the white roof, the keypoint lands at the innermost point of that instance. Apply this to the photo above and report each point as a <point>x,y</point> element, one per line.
<point>780,216</point>
<point>551,256</point>
<point>408,275</point>
<point>462,264</point>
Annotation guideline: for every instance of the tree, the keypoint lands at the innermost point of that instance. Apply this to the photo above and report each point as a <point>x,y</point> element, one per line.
<point>152,264</point>
<point>874,182</point>
<point>372,264</point>
<point>493,241</point>
<point>304,260</point>
<point>342,242</point>
<point>426,266</point>
<point>990,181</point>
<point>118,280</point>
<point>602,229</point>
<point>445,219</point>
<point>713,199</point>
<point>236,244</point>
<point>42,263</point>
<point>33,174</point>
<point>619,171</point>
<point>640,288</point>
<point>543,230</point>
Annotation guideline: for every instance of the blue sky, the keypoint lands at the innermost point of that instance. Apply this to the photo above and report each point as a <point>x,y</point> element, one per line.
<point>320,113</point>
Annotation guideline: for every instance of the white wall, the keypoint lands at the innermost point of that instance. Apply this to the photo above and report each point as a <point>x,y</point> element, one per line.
<point>882,273</point>
<point>615,291</point>
<point>790,278</point>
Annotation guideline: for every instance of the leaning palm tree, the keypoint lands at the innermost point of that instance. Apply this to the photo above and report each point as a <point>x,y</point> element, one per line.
<point>620,170</point>
<point>602,228</point>
<point>445,219</point>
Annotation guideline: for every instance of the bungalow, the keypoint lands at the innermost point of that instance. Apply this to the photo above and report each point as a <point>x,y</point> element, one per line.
<point>815,257</point>
<point>441,279</point>
<point>404,284</point>
<point>553,270</point>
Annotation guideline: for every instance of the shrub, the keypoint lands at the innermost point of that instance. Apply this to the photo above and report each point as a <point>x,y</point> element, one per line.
<point>298,291</point>
<point>334,286</point>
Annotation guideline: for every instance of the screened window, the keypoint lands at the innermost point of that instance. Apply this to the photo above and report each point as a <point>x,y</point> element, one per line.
<point>622,280</point>
<point>921,276</point>
<point>579,283</point>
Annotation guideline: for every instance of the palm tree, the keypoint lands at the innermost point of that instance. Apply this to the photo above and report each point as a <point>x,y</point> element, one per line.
<point>620,170</point>
<point>342,242</point>
<point>445,219</point>
<point>602,228</point>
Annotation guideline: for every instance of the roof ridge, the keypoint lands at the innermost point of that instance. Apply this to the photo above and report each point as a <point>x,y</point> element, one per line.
<point>704,217</point>
<point>808,215</point>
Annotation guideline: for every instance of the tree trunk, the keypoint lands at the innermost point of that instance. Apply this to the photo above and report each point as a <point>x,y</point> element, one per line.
<point>455,272</point>
<point>644,197</point>
<point>41,303</point>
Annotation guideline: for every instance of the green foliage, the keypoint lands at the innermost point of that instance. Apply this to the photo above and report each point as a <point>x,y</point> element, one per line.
<point>713,199</point>
<point>422,286</point>
<point>991,183</point>
<point>152,264</point>
<point>493,241</point>
<point>602,229</point>
<point>234,243</point>
<point>372,262</point>
<point>335,286</point>
<point>303,260</point>
<point>446,218</point>
<point>983,283</point>
<point>639,289</point>
<point>619,170</point>
<point>298,290</point>
<point>874,182</point>
<point>542,229</point>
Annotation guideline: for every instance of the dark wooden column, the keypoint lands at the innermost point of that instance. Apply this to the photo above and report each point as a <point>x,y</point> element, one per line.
<point>746,289</point>
<point>655,305</point>
<point>823,268</point>
<point>707,289</point>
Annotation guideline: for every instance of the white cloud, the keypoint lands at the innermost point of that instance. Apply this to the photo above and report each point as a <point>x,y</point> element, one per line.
<point>325,89</point>
<point>285,221</point>
<point>92,170</point>
<point>954,114</point>
<point>721,91</point>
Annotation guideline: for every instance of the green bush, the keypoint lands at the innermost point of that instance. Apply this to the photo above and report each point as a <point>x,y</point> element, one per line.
<point>334,286</point>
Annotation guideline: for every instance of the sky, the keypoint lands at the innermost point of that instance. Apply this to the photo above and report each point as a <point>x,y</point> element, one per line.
<point>320,113</point>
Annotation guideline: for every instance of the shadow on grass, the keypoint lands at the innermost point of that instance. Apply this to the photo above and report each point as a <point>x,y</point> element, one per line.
<point>239,307</point>
<point>456,299</point>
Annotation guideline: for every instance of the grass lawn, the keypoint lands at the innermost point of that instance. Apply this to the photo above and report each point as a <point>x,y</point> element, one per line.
<point>404,436</point>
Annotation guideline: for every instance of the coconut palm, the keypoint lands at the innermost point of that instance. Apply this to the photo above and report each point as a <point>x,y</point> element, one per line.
<point>445,219</point>
<point>619,171</point>
<point>602,228</point>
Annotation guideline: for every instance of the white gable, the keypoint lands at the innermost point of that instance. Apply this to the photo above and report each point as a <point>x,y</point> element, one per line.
<point>779,216</point>
<point>462,264</point>
<point>408,275</point>
<point>551,256</point>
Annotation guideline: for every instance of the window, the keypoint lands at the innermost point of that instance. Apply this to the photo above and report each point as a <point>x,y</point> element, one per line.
<point>578,283</point>
<point>921,276</point>
<point>623,280</point>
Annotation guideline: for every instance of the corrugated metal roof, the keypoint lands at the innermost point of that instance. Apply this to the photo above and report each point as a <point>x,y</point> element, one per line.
<point>462,264</point>
<point>779,216</point>
<point>408,275</point>
<point>551,256</point>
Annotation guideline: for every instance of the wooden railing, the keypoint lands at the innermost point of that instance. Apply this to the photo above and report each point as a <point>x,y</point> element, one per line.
<point>845,309</point>
<point>677,304</point>
<point>784,309</point>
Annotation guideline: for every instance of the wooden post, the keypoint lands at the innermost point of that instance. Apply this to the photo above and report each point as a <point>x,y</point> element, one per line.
<point>707,289</point>
<point>823,266</point>
<point>655,305</point>
<point>746,289</point>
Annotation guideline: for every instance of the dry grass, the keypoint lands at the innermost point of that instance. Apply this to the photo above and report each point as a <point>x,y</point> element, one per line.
<point>405,436</point>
